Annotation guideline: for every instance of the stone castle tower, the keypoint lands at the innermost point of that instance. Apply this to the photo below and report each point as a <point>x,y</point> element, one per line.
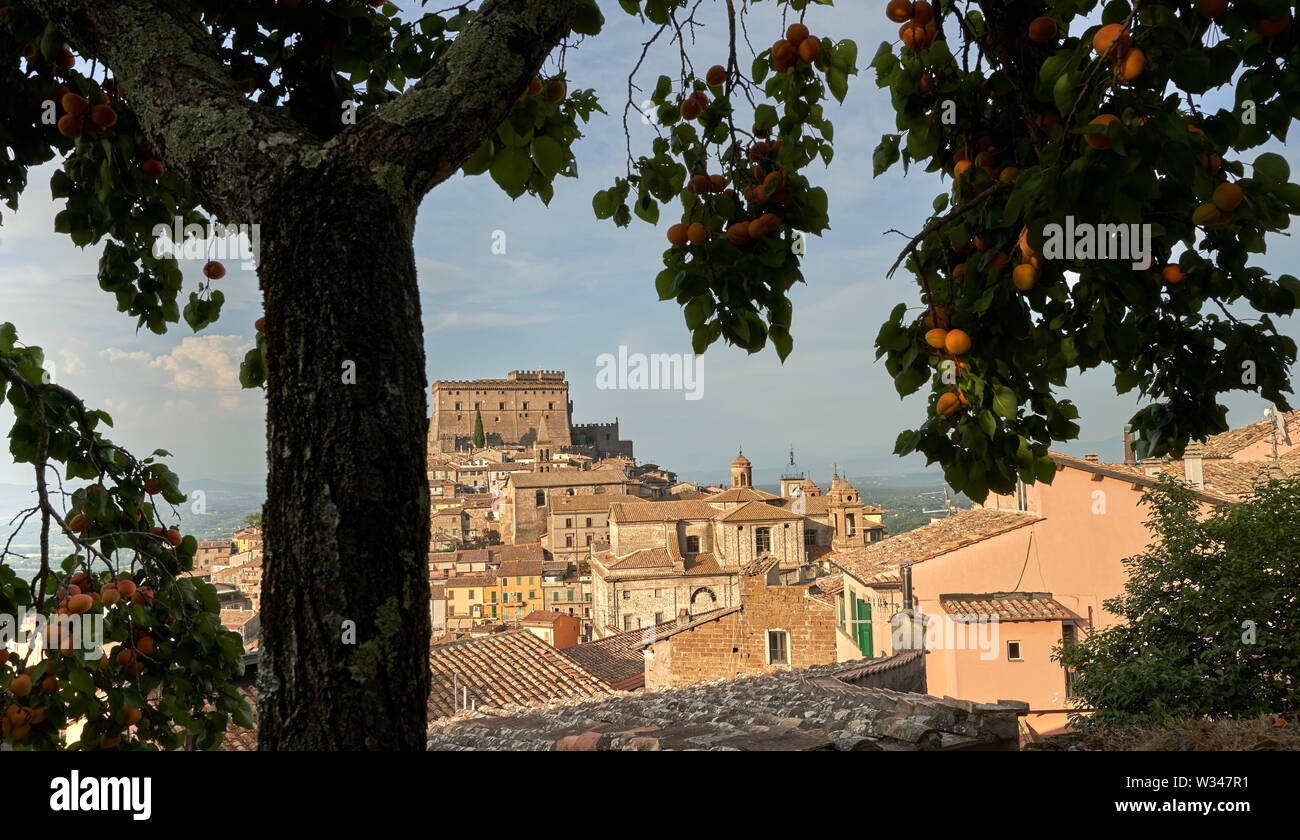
<point>742,472</point>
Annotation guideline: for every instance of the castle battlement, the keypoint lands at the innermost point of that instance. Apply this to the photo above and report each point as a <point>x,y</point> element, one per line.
<point>536,375</point>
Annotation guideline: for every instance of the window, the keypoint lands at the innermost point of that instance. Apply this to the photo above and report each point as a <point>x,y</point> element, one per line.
<point>762,540</point>
<point>555,596</point>
<point>589,539</point>
<point>458,406</point>
<point>809,537</point>
<point>519,581</point>
<point>494,610</point>
<point>501,406</point>
<point>626,595</point>
<point>849,523</point>
<point>692,545</point>
<point>568,541</point>
<point>627,622</point>
<point>1013,652</point>
<point>494,596</point>
<point>570,594</point>
<point>532,593</point>
<point>777,647</point>
<point>659,618</point>
<point>588,521</point>
<point>541,498</point>
<point>568,523</point>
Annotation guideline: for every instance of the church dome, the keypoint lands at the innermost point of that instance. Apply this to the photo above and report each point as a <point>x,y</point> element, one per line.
<point>741,461</point>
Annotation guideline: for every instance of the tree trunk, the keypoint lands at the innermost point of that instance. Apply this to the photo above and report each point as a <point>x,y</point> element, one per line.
<point>345,596</point>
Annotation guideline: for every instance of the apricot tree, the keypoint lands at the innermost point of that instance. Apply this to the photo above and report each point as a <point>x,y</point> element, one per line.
<point>325,122</point>
<point>1075,132</point>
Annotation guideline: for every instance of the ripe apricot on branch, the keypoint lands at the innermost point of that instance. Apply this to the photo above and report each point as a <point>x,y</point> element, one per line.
<point>899,10</point>
<point>1100,141</point>
<point>937,338</point>
<point>1211,9</point>
<point>796,33</point>
<point>810,50</point>
<point>717,75</point>
<point>153,168</point>
<point>214,270</point>
<point>784,52</point>
<point>260,324</point>
<point>677,235</point>
<point>697,233</point>
<point>556,90</point>
<point>21,685</point>
<point>1024,276</point>
<point>1172,274</point>
<point>739,233</point>
<point>1042,30</point>
<point>1273,26</point>
<point>103,116</point>
<point>1131,65</point>
<point>534,87</point>
<point>957,343</point>
<point>173,537</point>
<point>1105,37</point>
<point>948,404</point>
<point>1227,197</point>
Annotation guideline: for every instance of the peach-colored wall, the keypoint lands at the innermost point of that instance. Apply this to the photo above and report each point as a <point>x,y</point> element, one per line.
<point>1074,553</point>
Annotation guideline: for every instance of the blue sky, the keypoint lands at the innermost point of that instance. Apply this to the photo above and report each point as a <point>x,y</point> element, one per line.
<point>568,289</point>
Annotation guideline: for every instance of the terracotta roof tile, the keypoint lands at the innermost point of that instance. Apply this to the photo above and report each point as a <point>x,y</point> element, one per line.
<point>939,537</point>
<point>1236,479</point>
<point>565,478</point>
<point>588,502</point>
<point>1007,606</point>
<point>742,494</point>
<point>759,512</point>
<point>1225,444</point>
<point>505,670</point>
<point>661,511</point>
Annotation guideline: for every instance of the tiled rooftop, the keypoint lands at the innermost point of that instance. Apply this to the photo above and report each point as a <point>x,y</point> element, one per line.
<point>566,478</point>
<point>818,708</point>
<point>939,537</point>
<point>1007,606</point>
<point>1225,444</point>
<point>505,670</point>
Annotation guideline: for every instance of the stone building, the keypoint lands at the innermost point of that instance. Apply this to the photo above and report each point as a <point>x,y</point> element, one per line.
<point>578,523</point>
<point>513,409</point>
<point>602,438</point>
<point>779,624</point>
<point>665,557</point>
<point>528,497</point>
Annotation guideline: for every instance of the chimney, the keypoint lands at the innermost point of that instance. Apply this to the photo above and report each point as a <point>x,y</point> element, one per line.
<point>1151,466</point>
<point>683,617</point>
<point>1193,471</point>
<point>905,569</point>
<point>1092,457</point>
<point>1128,446</point>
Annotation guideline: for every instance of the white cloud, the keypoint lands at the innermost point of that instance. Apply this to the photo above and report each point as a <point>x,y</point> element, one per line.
<point>204,362</point>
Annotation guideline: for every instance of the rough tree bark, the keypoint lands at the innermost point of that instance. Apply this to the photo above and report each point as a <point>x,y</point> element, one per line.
<point>347,526</point>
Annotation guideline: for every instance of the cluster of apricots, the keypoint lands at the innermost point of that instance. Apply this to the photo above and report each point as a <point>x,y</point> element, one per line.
<point>918,29</point>
<point>955,344</point>
<point>29,689</point>
<point>797,45</point>
<point>769,187</point>
<point>81,116</point>
<point>150,164</point>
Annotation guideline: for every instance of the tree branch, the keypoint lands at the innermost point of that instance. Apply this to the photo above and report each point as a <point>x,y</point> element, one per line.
<point>428,132</point>
<point>223,143</point>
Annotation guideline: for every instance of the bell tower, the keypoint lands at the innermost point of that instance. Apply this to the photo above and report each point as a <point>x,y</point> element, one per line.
<point>742,473</point>
<point>847,513</point>
<point>542,451</point>
<point>792,478</point>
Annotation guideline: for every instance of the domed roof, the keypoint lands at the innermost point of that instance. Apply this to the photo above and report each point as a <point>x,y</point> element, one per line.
<point>741,461</point>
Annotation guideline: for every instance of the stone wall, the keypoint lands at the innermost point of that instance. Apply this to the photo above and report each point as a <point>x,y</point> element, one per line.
<point>514,410</point>
<point>738,643</point>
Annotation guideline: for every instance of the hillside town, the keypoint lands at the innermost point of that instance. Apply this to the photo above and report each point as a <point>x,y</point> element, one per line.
<point>571,585</point>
